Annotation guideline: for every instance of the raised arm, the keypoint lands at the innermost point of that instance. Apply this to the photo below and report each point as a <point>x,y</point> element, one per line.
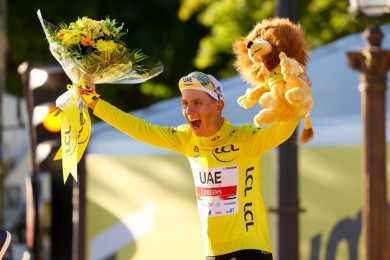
<point>264,139</point>
<point>170,138</point>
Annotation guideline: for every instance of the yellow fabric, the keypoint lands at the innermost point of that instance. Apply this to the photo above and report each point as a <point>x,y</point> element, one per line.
<point>83,137</point>
<point>70,124</point>
<point>75,132</point>
<point>273,77</point>
<point>276,75</point>
<point>226,171</point>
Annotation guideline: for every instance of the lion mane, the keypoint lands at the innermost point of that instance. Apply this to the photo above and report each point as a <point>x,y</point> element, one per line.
<point>283,35</point>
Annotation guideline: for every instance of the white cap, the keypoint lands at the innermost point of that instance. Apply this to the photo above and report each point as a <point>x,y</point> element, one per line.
<point>203,82</point>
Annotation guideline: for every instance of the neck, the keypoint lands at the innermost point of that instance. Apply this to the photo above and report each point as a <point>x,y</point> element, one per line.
<point>218,125</point>
<point>220,122</point>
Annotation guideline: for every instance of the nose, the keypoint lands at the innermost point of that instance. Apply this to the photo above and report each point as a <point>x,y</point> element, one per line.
<point>249,44</point>
<point>189,109</point>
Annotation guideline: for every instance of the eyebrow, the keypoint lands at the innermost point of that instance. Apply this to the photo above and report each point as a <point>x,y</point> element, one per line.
<point>192,100</point>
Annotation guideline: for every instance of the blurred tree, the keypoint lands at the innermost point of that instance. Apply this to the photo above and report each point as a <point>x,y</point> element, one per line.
<point>327,20</point>
<point>228,20</point>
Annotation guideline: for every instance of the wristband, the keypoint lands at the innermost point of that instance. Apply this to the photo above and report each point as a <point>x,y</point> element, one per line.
<point>87,94</point>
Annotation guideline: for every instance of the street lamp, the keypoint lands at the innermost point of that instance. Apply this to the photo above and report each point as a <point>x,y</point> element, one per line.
<point>373,63</point>
<point>370,7</point>
<point>42,84</point>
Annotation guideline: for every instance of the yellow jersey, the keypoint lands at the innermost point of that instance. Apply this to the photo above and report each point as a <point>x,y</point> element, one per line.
<point>226,170</point>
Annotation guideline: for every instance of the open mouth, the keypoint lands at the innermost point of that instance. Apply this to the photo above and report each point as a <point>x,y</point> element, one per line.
<point>195,123</point>
<point>256,51</point>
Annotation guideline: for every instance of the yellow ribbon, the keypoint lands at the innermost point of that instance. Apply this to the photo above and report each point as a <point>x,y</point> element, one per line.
<point>75,134</point>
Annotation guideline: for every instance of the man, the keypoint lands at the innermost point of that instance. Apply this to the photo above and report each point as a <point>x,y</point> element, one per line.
<point>5,240</point>
<point>225,162</point>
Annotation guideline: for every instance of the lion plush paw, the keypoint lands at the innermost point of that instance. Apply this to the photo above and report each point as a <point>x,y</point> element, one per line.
<point>246,101</point>
<point>251,97</point>
<point>290,68</point>
<point>265,117</point>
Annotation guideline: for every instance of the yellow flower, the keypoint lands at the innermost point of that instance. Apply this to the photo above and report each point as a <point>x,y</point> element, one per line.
<point>97,33</point>
<point>70,38</point>
<point>72,25</point>
<point>90,24</point>
<point>108,46</point>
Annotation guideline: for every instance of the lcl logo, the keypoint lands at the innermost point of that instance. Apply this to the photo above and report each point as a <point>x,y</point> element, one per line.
<point>68,139</point>
<point>225,153</point>
<point>70,145</point>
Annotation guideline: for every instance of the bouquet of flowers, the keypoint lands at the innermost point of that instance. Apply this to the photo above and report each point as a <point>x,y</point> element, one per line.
<point>89,50</point>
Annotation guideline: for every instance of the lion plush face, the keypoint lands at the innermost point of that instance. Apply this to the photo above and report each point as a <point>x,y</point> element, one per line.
<point>258,49</point>
<point>282,35</point>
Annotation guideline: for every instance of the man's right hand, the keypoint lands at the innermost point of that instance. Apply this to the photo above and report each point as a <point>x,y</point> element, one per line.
<point>89,95</point>
<point>90,85</point>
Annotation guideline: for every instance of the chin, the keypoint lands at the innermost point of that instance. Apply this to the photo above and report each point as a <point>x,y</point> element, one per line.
<point>198,133</point>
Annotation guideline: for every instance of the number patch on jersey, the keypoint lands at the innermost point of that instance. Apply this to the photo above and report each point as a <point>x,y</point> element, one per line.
<point>217,190</point>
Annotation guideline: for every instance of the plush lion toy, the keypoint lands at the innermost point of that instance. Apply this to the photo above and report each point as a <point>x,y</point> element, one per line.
<point>270,58</point>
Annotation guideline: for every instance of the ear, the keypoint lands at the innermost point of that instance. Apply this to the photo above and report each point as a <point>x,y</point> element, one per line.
<point>220,105</point>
